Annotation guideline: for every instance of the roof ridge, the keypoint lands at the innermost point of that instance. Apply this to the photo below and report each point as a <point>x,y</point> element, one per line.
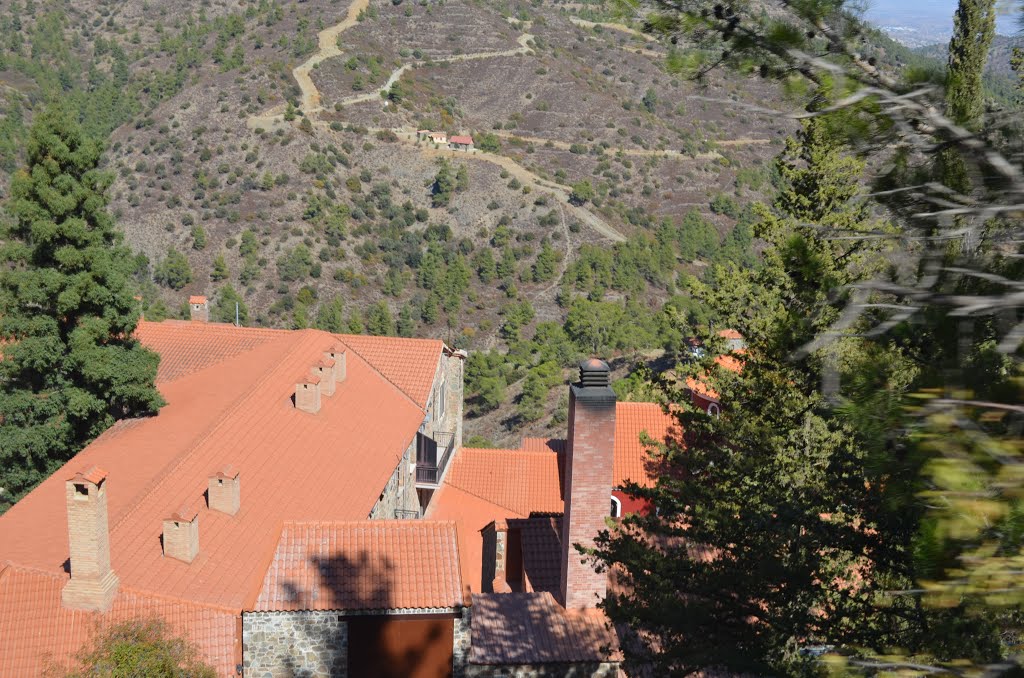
<point>166,472</point>
<point>10,566</point>
<point>363,521</point>
<point>341,338</point>
<point>180,601</point>
<point>509,449</point>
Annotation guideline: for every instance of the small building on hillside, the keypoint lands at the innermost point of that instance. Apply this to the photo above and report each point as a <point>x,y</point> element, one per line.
<point>461,143</point>
<point>439,138</point>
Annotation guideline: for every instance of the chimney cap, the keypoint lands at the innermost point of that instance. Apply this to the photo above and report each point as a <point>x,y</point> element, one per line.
<point>309,379</point>
<point>594,373</point>
<point>184,514</point>
<point>226,473</point>
<point>326,362</point>
<point>197,299</point>
<point>92,474</point>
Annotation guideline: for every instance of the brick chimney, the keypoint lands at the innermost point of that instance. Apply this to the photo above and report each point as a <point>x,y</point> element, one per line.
<point>326,370</point>
<point>181,535</point>
<point>589,463</point>
<point>337,354</point>
<point>495,555</point>
<point>93,583</point>
<point>307,394</point>
<point>199,308</point>
<point>224,493</point>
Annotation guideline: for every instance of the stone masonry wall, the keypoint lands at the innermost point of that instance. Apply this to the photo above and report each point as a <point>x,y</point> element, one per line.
<point>461,643</point>
<point>400,492</point>
<point>308,644</point>
<point>591,670</point>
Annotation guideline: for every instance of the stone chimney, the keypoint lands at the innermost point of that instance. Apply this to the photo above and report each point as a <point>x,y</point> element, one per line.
<point>589,464</point>
<point>495,555</point>
<point>93,583</point>
<point>181,535</point>
<point>307,394</point>
<point>199,308</point>
<point>337,354</point>
<point>326,370</point>
<point>224,492</point>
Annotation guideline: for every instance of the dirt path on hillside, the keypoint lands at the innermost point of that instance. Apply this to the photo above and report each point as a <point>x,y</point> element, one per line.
<point>310,105</point>
<point>398,72</point>
<point>622,28</point>
<point>639,152</point>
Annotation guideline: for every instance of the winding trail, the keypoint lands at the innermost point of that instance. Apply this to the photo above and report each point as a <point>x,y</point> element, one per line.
<point>310,105</point>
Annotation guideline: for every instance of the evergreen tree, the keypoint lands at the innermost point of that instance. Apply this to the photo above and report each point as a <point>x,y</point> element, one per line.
<point>379,321</point>
<point>71,365</point>
<point>224,307</point>
<point>406,326</point>
<point>173,271</point>
<point>220,269</point>
<point>331,317</point>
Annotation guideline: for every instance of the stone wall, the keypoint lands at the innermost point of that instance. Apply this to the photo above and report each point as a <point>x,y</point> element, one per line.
<point>461,643</point>
<point>399,495</point>
<point>590,670</point>
<point>308,644</point>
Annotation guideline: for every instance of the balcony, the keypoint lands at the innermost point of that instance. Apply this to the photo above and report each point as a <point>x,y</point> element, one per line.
<point>432,457</point>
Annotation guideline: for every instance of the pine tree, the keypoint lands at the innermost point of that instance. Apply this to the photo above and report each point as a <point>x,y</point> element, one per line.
<point>789,492</point>
<point>71,365</point>
<point>379,321</point>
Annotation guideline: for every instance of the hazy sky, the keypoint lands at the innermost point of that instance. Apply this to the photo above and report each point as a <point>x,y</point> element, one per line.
<point>934,11</point>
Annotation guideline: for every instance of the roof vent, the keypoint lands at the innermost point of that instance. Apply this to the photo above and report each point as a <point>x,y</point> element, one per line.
<point>325,369</point>
<point>199,308</point>
<point>307,394</point>
<point>338,355</point>
<point>181,535</point>
<point>224,492</point>
<point>93,584</point>
<point>594,373</point>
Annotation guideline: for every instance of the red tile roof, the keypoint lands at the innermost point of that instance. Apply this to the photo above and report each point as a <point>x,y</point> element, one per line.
<point>532,628</point>
<point>94,474</point>
<point>197,299</point>
<point>364,565</point>
<point>541,540</point>
<point>632,458</point>
<point>520,481</point>
<point>229,392</point>
<point>701,387</point>
<point>409,364</point>
<point>459,139</point>
<point>729,334</point>
<point>34,626</point>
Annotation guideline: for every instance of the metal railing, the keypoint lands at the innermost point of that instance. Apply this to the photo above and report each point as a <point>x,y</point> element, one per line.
<point>430,474</point>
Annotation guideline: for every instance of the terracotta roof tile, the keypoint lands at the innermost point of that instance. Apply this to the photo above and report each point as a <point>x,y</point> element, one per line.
<point>364,565</point>
<point>197,299</point>
<point>187,347</point>
<point>518,480</point>
<point>632,459</point>
<point>94,474</point>
<point>460,139</point>
<point>543,445</point>
<point>541,540</point>
<point>237,411</point>
<point>532,628</point>
<point>410,364</point>
<point>33,625</point>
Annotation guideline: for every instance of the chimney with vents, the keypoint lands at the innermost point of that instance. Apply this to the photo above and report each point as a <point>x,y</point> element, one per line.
<point>337,354</point>
<point>199,308</point>
<point>307,394</point>
<point>93,583</point>
<point>325,369</point>
<point>224,492</point>
<point>181,535</point>
<point>589,464</point>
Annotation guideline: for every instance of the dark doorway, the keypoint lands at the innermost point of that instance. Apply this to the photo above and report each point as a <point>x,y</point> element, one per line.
<point>395,647</point>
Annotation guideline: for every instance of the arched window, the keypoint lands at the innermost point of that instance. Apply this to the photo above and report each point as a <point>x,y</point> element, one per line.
<point>616,507</point>
<point>713,409</point>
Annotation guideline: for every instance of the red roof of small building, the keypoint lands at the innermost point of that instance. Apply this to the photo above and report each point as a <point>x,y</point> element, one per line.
<point>483,485</point>
<point>460,139</point>
<point>197,299</point>
<point>364,565</point>
<point>729,334</point>
<point>532,628</point>
<point>702,388</point>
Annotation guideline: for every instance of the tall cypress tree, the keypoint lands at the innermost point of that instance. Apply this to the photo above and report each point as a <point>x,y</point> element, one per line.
<point>973,27</point>
<point>71,365</point>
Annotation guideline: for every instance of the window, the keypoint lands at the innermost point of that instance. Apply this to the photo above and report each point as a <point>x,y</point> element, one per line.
<point>616,507</point>
<point>713,409</point>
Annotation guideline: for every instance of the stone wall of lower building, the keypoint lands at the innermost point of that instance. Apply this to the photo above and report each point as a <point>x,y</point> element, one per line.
<point>308,644</point>
<point>461,643</point>
<point>586,670</point>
